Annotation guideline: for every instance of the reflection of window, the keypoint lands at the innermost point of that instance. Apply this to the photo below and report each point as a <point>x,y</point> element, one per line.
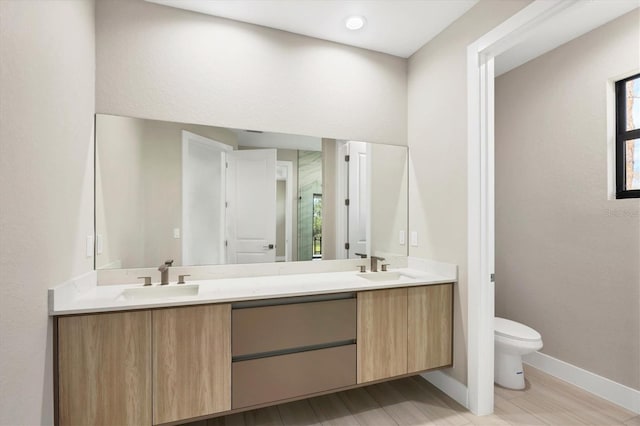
<point>628,137</point>
<point>317,225</point>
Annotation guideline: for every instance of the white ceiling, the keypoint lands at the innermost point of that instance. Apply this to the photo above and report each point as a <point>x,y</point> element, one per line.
<point>574,21</point>
<point>396,27</point>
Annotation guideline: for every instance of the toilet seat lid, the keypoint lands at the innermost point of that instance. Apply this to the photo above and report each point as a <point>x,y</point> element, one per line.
<point>514,330</point>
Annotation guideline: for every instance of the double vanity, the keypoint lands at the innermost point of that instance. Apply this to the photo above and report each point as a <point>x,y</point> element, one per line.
<point>129,354</point>
<point>280,308</point>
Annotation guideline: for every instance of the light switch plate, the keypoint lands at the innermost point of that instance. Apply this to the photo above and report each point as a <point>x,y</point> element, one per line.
<point>89,245</point>
<point>176,233</point>
<point>99,244</point>
<point>414,238</point>
<point>401,238</point>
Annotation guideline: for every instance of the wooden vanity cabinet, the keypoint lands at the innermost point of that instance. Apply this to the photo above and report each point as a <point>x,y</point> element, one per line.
<point>430,327</point>
<point>174,364</point>
<point>191,362</point>
<point>402,331</point>
<point>104,369</point>
<point>382,334</point>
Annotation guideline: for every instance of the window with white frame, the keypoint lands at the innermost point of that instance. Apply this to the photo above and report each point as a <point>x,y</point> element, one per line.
<point>628,137</point>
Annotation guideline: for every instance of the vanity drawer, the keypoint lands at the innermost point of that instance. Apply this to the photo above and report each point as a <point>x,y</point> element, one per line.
<point>273,328</point>
<point>275,378</point>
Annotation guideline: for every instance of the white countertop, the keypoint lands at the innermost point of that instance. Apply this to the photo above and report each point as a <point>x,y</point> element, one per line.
<point>77,297</point>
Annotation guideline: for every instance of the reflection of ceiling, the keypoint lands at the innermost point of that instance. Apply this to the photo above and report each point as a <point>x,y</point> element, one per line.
<point>576,20</point>
<point>277,140</point>
<point>396,27</point>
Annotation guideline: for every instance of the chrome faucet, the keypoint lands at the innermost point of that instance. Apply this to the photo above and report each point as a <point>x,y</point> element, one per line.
<point>374,263</point>
<point>164,272</point>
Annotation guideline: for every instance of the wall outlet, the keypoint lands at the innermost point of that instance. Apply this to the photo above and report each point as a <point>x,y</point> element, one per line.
<point>414,238</point>
<point>176,233</point>
<point>401,238</point>
<point>89,245</point>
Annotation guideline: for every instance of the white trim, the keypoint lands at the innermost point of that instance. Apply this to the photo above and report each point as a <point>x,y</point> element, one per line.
<point>611,131</point>
<point>288,168</point>
<point>448,385</point>
<point>480,214</point>
<point>369,191</point>
<point>611,139</point>
<point>615,392</point>
<point>342,184</point>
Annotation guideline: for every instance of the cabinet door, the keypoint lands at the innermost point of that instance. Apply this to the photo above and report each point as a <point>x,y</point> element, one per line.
<point>104,369</point>
<point>191,362</point>
<point>430,327</point>
<point>382,334</point>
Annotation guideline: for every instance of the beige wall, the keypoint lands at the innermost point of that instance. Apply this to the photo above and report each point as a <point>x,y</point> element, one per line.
<point>437,138</point>
<point>120,192</point>
<point>168,64</point>
<point>389,201</point>
<point>46,186</point>
<point>567,259</point>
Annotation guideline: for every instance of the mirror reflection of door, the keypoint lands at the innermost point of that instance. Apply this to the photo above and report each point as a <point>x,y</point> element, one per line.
<point>359,199</point>
<point>251,206</point>
<point>203,200</point>
<point>353,185</point>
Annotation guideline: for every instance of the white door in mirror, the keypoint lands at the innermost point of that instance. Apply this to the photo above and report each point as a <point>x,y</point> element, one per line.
<point>251,209</point>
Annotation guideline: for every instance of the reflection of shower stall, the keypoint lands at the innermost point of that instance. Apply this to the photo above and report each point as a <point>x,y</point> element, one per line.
<point>309,187</point>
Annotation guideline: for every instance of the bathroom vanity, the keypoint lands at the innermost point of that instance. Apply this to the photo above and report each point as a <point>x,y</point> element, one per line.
<point>259,323</point>
<point>242,343</point>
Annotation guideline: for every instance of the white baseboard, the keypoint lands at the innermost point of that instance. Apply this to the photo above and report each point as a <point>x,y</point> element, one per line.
<point>617,393</point>
<point>448,385</point>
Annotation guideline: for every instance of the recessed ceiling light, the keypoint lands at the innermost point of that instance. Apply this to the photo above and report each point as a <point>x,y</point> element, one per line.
<point>355,22</point>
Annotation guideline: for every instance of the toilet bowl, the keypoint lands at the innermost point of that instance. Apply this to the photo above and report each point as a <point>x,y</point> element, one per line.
<point>512,340</point>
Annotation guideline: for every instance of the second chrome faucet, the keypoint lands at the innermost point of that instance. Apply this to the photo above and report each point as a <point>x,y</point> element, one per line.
<point>374,262</point>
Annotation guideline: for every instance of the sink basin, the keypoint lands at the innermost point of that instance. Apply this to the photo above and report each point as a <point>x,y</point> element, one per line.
<point>383,276</point>
<point>160,292</point>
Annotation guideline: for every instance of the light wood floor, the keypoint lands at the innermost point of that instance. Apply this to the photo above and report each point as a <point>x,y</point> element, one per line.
<point>414,401</point>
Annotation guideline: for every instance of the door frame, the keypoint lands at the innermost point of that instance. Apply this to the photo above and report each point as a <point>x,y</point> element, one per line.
<point>284,172</point>
<point>342,191</point>
<point>480,195</point>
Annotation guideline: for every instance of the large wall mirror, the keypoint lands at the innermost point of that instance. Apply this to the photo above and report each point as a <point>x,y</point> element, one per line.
<point>204,195</point>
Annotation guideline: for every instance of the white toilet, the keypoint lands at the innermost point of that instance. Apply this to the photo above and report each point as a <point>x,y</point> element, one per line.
<point>512,340</point>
